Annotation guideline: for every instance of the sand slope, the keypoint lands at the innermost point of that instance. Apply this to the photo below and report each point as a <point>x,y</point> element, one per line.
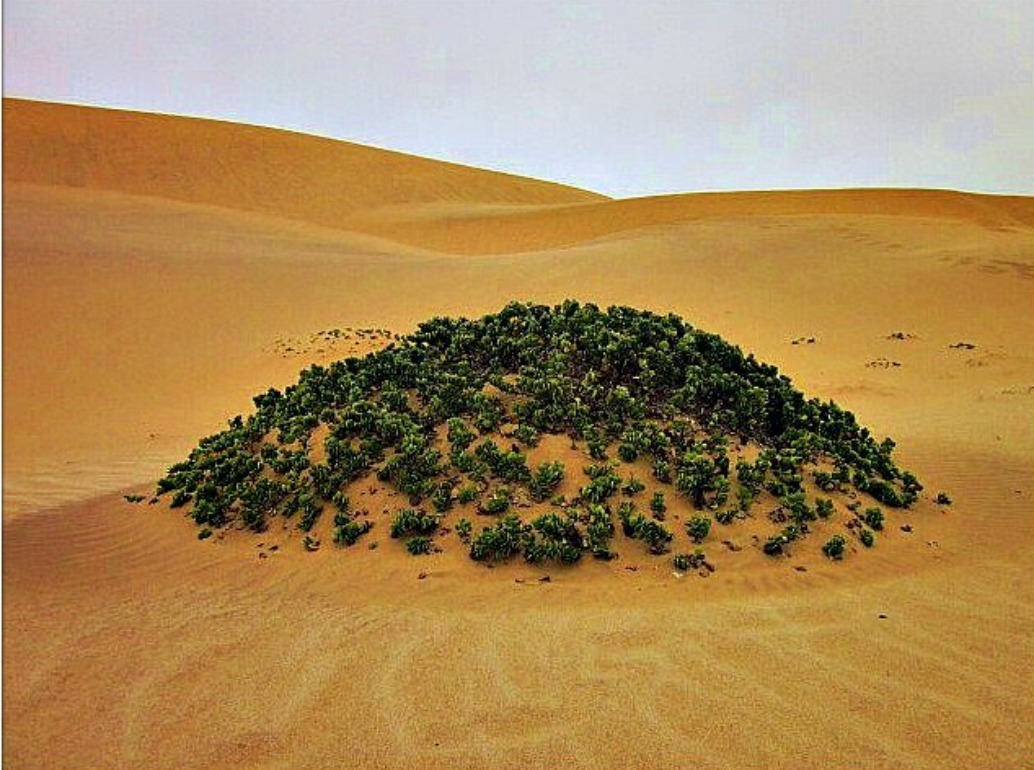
<point>136,320</point>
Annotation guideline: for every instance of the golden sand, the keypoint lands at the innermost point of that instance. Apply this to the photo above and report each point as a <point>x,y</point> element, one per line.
<point>147,297</point>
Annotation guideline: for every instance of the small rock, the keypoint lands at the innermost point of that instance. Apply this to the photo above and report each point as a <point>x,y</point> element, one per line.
<point>906,527</point>
<point>422,576</point>
<point>732,546</point>
<point>545,579</point>
<point>263,555</point>
<point>801,568</point>
<point>703,572</point>
<point>882,616</point>
<point>632,568</point>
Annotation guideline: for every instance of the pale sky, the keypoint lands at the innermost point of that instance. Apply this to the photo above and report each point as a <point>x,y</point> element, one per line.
<point>624,98</point>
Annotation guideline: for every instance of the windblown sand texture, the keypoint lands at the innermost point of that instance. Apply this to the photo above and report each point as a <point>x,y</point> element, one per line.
<point>160,271</point>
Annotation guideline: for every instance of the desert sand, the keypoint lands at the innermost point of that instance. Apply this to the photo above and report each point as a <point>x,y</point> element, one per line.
<point>160,271</point>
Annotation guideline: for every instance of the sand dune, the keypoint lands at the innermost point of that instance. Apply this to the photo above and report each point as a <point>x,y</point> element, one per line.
<point>480,229</point>
<point>241,167</point>
<point>138,318</point>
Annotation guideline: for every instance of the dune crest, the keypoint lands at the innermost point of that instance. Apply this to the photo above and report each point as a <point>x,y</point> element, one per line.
<point>263,170</point>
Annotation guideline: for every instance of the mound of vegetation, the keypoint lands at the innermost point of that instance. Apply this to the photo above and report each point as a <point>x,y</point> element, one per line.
<point>448,415</point>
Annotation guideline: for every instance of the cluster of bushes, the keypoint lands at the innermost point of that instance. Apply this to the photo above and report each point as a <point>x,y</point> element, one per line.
<point>426,414</point>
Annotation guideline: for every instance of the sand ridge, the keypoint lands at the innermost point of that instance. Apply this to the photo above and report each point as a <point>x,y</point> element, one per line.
<point>137,320</point>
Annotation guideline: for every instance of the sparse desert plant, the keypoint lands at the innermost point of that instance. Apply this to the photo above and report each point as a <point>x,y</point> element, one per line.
<point>632,487</point>
<point>311,543</point>
<point>698,528</point>
<point>411,521</point>
<point>658,506</point>
<point>419,545</point>
<point>468,493</point>
<point>834,547</point>
<point>873,517</point>
<point>348,532</point>
<point>545,479</point>
<point>463,530</point>
<point>942,499</point>
<point>498,542</point>
<point>498,503</point>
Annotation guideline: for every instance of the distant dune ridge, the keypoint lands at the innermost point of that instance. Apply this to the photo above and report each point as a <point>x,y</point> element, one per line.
<point>160,271</point>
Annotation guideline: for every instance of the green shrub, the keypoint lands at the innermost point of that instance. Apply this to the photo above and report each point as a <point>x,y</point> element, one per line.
<point>204,534</point>
<point>527,435</point>
<point>419,545</point>
<point>658,506</point>
<point>311,543</point>
<point>698,528</point>
<point>867,537</point>
<point>410,521</point>
<point>942,499</point>
<point>498,503</point>
<point>463,530</point>
<point>824,507</point>
<point>545,479</point>
<point>834,547</point>
<point>874,518</point>
<point>468,493</point>
<point>684,562</point>
<point>348,532</point>
<point>499,542</point>
<point>774,545</point>
<point>632,487</point>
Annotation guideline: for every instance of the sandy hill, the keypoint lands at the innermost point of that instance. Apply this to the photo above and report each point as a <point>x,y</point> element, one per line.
<point>152,287</point>
<point>241,167</point>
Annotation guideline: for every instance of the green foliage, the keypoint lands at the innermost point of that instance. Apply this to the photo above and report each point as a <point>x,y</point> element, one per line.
<point>603,482</point>
<point>527,435</point>
<point>411,521</point>
<point>419,545</point>
<point>684,562</point>
<point>632,487</point>
<point>873,517</point>
<point>545,479</point>
<point>553,537</point>
<point>499,542</point>
<point>657,505</point>
<point>652,386</point>
<point>698,528</point>
<point>204,533</point>
<point>824,507</point>
<point>463,530</point>
<point>498,503</point>
<point>348,532</point>
<point>942,498</point>
<point>834,547</point>
<point>311,543</point>
<point>468,493</point>
<point>638,527</point>
<point>867,537</point>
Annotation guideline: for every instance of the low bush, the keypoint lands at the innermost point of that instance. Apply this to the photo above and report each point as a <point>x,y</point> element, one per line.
<point>348,532</point>
<point>411,521</point>
<point>419,545</point>
<point>698,528</point>
<point>499,542</point>
<point>834,547</point>
<point>874,518</point>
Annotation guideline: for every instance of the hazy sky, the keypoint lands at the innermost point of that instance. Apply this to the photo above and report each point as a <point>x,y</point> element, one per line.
<point>625,98</point>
